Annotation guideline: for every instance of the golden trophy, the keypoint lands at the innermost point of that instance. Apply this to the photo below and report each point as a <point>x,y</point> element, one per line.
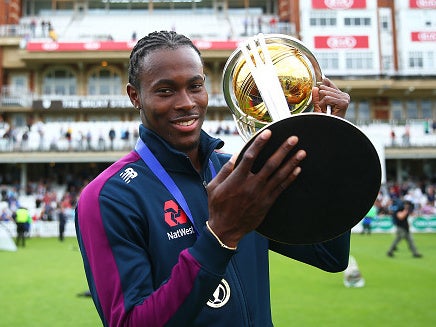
<point>267,83</point>
<point>276,70</point>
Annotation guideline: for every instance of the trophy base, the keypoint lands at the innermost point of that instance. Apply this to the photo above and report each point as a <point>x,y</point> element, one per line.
<point>338,184</point>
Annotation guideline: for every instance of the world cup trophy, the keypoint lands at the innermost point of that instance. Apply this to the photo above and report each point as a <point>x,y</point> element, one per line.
<point>267,83</point>
<point>267,79</point>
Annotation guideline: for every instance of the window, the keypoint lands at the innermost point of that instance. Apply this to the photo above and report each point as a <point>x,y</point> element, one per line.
<point>416,59</point>
<point>19,82</point>
<point>328,60</point>
<point>351,112</point>
<point>104,81</point>
<point>411,109</point>
<point>357,21</point>
<point>208,83</point>
<point>426,109</point>
<point>397,109</point>
<point>323,19</point>
<point>387,62</point>
<point>59,81</point>
<point>359,60</point>
<point>364,113</point>
<point>384,23</point>
<point>429,62</point>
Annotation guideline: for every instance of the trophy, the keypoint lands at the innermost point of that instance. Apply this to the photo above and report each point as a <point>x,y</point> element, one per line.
<point>282,75</point>
<point>267,83</point>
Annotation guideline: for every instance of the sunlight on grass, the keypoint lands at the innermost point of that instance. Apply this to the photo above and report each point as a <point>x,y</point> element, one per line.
<point>40,284</point>
<point>398,291</point>
<point>44,278</point>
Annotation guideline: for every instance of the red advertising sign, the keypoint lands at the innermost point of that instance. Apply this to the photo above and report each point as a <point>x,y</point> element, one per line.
<point>422,4</point>
<point>342,42</point>
<point>339,4</point>
<point>51,46</point>
<point>423,36</point>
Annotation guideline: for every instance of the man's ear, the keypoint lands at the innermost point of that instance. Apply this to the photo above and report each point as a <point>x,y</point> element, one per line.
<point>133,95</point>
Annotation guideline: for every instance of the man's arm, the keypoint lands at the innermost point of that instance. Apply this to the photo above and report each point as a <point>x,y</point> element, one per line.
<point>120,271</point>
<point>331,256</point>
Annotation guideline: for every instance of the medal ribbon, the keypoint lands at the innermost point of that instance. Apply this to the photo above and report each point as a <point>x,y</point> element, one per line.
<point>160,172</point>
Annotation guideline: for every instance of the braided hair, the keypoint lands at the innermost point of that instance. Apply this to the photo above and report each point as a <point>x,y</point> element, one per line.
<point>151,42</point>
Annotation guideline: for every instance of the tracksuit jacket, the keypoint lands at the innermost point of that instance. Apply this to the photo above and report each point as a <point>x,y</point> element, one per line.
<point>145,263</point>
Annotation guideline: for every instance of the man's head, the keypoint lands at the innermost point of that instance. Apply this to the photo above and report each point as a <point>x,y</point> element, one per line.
<point>151,42</point>
<point>166,84</point>
<point>409,206</point>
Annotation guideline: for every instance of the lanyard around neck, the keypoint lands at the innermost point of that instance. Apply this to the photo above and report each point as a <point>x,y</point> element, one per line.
<point>160,172</point>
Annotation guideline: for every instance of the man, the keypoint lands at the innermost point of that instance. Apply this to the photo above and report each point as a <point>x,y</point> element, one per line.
<point>166,233</point>
<point>400,220</point>
<point>62,217</point>
<point>22,219</point>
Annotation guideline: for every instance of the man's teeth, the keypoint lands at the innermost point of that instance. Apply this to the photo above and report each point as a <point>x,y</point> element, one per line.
<point>186,123</point>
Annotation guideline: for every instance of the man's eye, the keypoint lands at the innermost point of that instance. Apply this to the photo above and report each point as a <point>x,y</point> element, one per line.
<point>197,86</point>
<point>164,91</point>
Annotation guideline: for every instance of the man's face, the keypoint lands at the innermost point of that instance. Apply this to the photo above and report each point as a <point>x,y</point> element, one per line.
<point>173,96</point>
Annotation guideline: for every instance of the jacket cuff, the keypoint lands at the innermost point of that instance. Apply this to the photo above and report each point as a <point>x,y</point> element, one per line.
<point>210,254</point>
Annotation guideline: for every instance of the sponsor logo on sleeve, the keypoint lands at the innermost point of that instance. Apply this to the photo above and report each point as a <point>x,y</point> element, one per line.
<point>175,217</point>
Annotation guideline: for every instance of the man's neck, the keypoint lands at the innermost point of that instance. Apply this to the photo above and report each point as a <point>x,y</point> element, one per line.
<point>195,157</point>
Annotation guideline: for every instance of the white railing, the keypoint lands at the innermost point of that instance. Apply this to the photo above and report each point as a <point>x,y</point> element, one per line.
<point>15,96</point>
<point>17,30</point>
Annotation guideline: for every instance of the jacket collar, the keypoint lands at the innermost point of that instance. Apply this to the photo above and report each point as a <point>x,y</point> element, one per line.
<point>172,159</point>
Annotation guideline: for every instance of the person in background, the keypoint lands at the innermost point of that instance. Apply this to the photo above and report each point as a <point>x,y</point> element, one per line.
<point>111,138</point>
<point>167,233</point>
<point>62,218</point>
<point>22,219</point>
<point>367,220</point>
<point>400,220</point>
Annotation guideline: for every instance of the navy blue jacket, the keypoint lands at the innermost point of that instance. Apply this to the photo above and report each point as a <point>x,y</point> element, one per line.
<point>146,266</point>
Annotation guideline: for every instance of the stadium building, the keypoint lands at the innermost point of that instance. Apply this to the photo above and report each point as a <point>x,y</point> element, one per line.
<point>64,69</point>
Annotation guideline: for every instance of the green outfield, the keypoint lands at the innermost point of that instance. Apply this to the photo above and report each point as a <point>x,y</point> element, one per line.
<point>39,287</point>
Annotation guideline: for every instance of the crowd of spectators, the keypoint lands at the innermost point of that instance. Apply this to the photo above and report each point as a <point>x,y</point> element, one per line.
<point>44,200</point>
<point>83,136</point>
<point>90,136</point>
<point>122,135</point>
<point>48,201</point>
<point>421,195</point>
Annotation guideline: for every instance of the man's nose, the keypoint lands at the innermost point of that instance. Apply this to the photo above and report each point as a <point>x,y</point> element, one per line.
<point>184,100</point>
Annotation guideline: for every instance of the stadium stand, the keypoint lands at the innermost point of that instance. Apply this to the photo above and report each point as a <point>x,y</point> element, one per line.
<point>92,25</point>
<point>200,24</point>
<point>54,134</point>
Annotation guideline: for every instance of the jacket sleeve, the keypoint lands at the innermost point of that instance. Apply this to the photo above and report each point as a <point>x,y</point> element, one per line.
<point>119,269</point>
<point>331,256</point>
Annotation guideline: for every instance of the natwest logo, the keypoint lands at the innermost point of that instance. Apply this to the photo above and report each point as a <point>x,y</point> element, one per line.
<point>174,215</point>
<point>427,4</point>
<point>424,36</point>
<point>50,46</point>
<point>341,42</point>
<point>203,44</point>
<point>92,45</point>
<point>338,4</point>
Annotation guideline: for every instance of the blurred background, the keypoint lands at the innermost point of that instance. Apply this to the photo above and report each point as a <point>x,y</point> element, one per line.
<point>65,114</point>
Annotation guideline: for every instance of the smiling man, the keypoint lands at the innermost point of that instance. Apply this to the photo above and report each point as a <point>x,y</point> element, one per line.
<point>167,232</point>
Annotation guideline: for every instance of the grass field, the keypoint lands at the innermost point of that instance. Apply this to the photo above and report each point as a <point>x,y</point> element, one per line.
<point>39,287</point>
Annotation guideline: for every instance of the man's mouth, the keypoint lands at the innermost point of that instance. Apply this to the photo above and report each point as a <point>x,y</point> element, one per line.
<point>186,123</point>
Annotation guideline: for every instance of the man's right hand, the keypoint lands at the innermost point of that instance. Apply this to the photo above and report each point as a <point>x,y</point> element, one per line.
<point>239,199</point>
